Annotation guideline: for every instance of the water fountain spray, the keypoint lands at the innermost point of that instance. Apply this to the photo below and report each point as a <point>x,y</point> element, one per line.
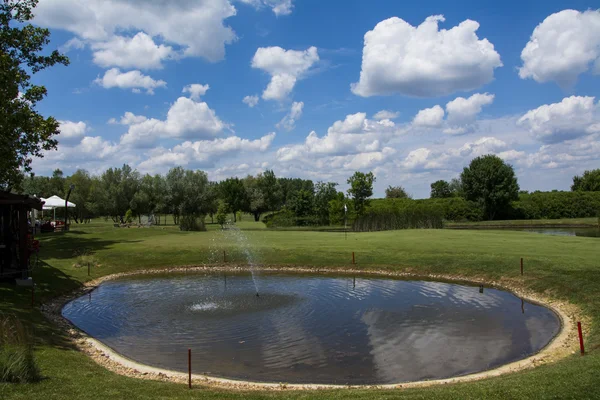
<point>233,232</point>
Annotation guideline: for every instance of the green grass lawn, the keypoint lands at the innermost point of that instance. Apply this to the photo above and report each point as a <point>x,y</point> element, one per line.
<point>565,267</point>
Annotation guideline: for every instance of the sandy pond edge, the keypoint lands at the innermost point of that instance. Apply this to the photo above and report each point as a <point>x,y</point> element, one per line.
<point>561,346</point>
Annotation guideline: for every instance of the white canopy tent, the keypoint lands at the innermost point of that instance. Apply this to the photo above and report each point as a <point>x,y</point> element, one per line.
<point>54,202</point>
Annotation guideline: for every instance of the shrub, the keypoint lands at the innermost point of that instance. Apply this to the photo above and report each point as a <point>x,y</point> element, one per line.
<point>400,215</point>
<point>191,223</point>
<point>128,216</point>
<point>281,219</point>
<point>222,214</point>
<point>554,205</point>
<point>458,209</point>
<point>453,208</point>
<point>17,364</point>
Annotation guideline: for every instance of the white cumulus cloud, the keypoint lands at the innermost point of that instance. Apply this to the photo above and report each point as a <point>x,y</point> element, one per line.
<point>289,121</point>
<point>203,153</point>
<point>279,7</point>
<point>429,117</point>
<point>461,114</point>
<point>573,117</point>
<point>463,111</point>
<point>386,114</point>
<point>449,158</point>
<point>196,90</point>
<point>139,51</point>
<point>285,68</point>
<point>251,101</point>
<point>185,119</point>
<point>135,80</point>
<point>424,61</point>
<point>344,140</point>
<point>197,28</point>
<point>565,45</point>
<point>128,118</point>
<point>71,131</point>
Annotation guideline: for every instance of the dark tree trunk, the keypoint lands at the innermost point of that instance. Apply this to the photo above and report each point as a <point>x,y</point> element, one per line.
<point>256,216</point>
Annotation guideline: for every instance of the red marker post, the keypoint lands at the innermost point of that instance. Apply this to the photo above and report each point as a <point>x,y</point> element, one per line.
<point>189,368</point>
<point>224,257</point>
<point>353,262</point>
<point>580,338</point>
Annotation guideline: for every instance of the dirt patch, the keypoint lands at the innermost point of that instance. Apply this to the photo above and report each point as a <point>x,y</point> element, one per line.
<point>563,345</point>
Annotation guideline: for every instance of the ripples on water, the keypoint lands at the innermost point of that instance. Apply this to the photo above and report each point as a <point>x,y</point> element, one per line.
<point>313,328</point>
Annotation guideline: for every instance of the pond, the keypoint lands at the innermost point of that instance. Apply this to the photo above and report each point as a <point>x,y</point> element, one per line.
<point>313,328</point>
<point>583,232</point>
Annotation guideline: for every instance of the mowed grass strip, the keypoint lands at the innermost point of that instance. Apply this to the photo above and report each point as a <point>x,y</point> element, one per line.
<point>565,267</point>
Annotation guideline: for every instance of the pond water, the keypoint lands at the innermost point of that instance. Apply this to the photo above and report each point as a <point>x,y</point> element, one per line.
<point>583,232</point>
<point>313,328</point>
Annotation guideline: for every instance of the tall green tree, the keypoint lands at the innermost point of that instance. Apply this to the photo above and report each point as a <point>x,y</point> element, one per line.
<point>291,186</point>
<point>588,182</point>
<point>196,201</point>
<point>456,187</point>
<point>56,185</point>
<point>491,182</point>
<point>324,193</point>
<point>396,192</point>
<point>24,133</point>
<point>302,205</point>
<point>81,195</point>
<point>271,190</point>
<point>337,210</point>
<point>361,188</point>
<point>233,193</point>
<point>440,190</point>
<point>256,204</point>
<point>37,186</point>
<point>116,191</point>
<point>175,191</point>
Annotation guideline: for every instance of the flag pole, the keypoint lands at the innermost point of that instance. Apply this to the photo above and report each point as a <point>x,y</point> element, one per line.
<point>345,222</point>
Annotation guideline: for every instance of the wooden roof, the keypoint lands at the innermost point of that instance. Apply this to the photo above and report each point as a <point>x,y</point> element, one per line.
<point>13,199</point>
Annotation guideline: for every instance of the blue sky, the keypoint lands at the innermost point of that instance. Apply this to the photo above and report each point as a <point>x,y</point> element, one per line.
<point>513,79</point>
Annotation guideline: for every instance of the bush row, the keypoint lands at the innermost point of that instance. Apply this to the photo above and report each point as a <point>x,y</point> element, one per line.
<point>554,205</point>
<point>451,209</point>
<point>400,214</point>
<point>536,205</point>
<point>385,214</point>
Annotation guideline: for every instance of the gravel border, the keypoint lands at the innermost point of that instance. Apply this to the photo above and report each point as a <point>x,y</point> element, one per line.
<point>565,343</point>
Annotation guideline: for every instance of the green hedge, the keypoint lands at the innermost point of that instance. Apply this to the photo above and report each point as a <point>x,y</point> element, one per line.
<point>400,214</point>
<point>554,205</point>
<point>452,209</point>
<point>536,205</point>
<point>385,214</point>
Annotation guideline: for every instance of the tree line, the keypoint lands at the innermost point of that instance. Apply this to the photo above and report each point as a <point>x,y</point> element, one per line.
<point>123,194</point>
<point>486,189</point>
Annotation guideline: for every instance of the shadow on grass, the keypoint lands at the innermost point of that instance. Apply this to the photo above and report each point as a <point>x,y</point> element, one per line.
<point>50,282</point>
<point>65,246</point>
<point>23,302</point>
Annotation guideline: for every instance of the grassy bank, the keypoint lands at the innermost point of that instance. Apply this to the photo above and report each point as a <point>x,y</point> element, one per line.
<point>565,267</point>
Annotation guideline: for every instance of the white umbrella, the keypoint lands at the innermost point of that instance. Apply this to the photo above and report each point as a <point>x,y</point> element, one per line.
<point>54,202</point>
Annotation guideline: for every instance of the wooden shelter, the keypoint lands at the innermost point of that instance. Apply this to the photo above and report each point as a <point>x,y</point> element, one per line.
<point>15,239</point>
